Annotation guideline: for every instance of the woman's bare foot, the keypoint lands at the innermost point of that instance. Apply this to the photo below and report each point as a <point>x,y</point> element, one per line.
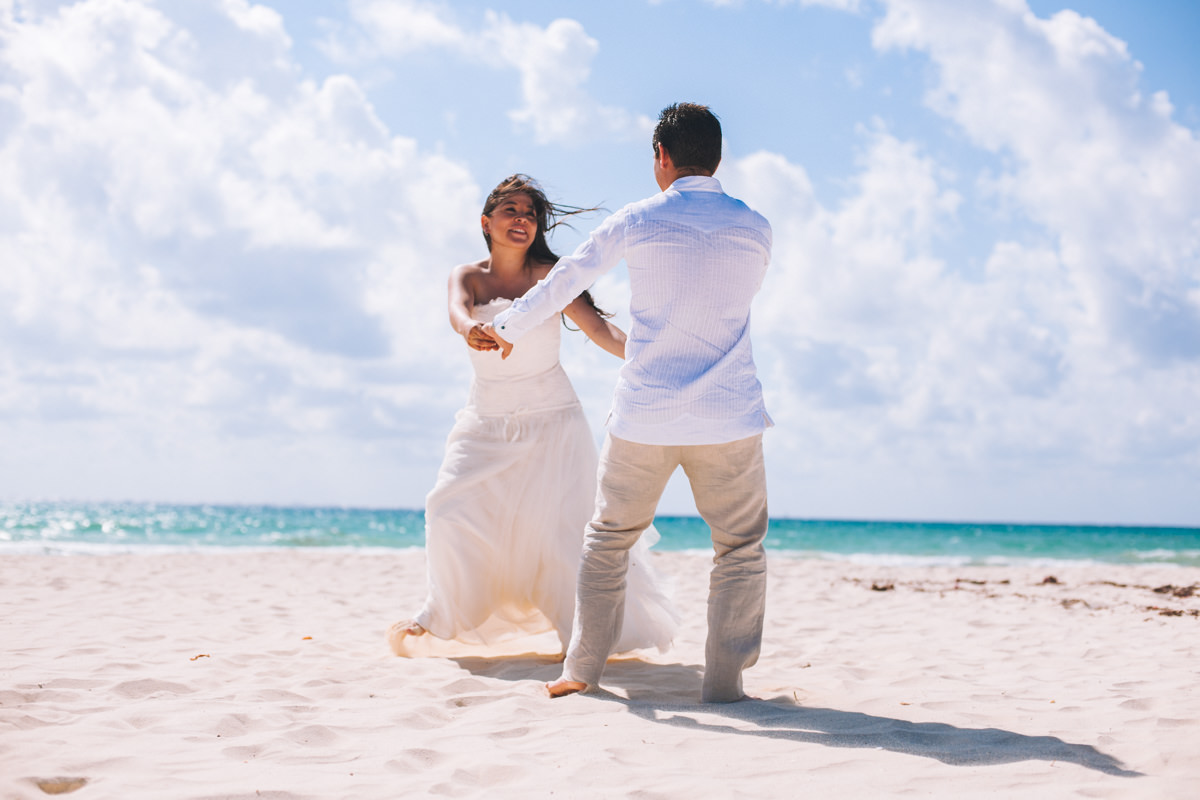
<point>400,631</point>
<point>563,687</point>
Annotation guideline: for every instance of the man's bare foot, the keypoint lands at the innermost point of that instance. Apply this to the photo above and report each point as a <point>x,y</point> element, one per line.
<point>738,699</point>
<point>400,631</point>
<point>563,687</point>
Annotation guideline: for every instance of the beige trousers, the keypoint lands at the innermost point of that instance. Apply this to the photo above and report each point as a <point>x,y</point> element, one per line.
<point>729,486</point>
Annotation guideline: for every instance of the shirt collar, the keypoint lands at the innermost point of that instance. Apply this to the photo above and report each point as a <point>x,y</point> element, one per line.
<point>696,183</point>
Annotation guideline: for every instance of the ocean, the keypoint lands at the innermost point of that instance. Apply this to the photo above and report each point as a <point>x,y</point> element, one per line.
<point>98,528</point>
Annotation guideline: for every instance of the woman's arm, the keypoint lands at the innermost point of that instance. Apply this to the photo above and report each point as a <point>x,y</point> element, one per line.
<point>461,303</point>
<point>597,328</point>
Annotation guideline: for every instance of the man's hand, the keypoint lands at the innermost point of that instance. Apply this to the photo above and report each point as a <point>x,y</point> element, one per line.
<point>505,346</point>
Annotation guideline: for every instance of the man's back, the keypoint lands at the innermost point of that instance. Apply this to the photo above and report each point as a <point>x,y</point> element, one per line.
<point>696,259</point>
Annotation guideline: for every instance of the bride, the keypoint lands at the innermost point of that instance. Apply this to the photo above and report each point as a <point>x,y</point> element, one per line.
<point>504,523</point>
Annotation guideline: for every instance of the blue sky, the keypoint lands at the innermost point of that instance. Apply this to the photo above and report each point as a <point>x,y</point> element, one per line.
<point>226,228</point>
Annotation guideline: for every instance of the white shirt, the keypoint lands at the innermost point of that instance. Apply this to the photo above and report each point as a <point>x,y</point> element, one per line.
<point>696,258</point>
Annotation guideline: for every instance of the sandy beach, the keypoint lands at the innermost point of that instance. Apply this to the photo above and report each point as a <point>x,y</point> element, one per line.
<point>266,674</point>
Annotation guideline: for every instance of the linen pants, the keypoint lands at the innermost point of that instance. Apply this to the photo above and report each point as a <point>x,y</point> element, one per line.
<point>729,486</point>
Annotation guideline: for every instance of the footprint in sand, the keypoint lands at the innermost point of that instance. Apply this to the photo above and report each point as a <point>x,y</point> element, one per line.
<point>59,785</point>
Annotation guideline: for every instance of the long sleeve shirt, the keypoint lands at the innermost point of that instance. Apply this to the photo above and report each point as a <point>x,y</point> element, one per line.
<point>696,258</point>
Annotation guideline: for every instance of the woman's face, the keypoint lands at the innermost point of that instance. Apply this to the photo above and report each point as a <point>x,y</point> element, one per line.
<point>512,223</point>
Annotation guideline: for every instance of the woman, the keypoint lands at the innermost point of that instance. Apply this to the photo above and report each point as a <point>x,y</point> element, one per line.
<point>504,524</point>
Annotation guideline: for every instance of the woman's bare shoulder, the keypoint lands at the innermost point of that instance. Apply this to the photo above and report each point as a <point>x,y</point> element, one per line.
<point>471,268</point>
<point>542,270</point>
<point>470,273</point>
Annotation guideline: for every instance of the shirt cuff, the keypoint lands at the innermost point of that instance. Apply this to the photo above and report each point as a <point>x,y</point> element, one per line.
<point>508,324</point>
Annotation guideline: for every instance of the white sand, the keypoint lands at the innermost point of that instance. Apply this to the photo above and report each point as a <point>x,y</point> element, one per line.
<point>267,675</point>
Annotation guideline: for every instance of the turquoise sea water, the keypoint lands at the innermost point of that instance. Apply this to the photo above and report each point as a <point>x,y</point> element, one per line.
<point>78,528</point>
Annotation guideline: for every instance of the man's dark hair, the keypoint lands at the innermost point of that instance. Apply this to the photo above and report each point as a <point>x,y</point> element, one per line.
<point>692,135</point>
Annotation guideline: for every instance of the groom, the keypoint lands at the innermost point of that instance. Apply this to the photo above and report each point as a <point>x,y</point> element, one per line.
<point>687,396</point>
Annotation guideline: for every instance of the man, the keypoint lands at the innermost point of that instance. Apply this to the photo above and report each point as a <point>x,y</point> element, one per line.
<point>687,396</point>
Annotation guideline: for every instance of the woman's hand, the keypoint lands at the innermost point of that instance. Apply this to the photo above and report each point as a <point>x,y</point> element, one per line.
<point>477,338</point>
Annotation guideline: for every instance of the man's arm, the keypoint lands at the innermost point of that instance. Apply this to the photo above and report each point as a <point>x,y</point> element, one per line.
<point>589,320</point>
<point>504,345</point>
<point>601,252</point>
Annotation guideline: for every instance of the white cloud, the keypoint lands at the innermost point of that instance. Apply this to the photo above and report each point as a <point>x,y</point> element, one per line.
<point>394,28</point>
<point>554,62</point>
<point>225,279</point>
<point>213,256</point>
<point>1104,169</point>
<point>840,5</point>
<point>1079,346</point>
<point>855,295</point>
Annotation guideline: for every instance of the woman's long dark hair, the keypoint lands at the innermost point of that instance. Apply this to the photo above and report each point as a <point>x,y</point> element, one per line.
<point>549,216</point>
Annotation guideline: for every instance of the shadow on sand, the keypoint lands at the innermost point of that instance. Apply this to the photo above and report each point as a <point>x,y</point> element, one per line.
<point>781,718</point>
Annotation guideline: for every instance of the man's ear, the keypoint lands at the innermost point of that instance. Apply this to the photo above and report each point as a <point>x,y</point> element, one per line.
<point>664,158</point>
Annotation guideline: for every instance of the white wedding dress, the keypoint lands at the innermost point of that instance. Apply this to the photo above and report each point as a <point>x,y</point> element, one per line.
<point>504,524</point>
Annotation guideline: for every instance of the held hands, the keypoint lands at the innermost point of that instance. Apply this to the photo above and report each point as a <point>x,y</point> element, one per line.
<point>482,336</point>
<point>477,339</point>
<point>498,340</point>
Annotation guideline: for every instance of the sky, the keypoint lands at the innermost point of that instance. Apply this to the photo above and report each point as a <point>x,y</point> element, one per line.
<point>226,229</point>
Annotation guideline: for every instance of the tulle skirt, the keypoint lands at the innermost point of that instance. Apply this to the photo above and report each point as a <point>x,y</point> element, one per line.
<point>504,533</point>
